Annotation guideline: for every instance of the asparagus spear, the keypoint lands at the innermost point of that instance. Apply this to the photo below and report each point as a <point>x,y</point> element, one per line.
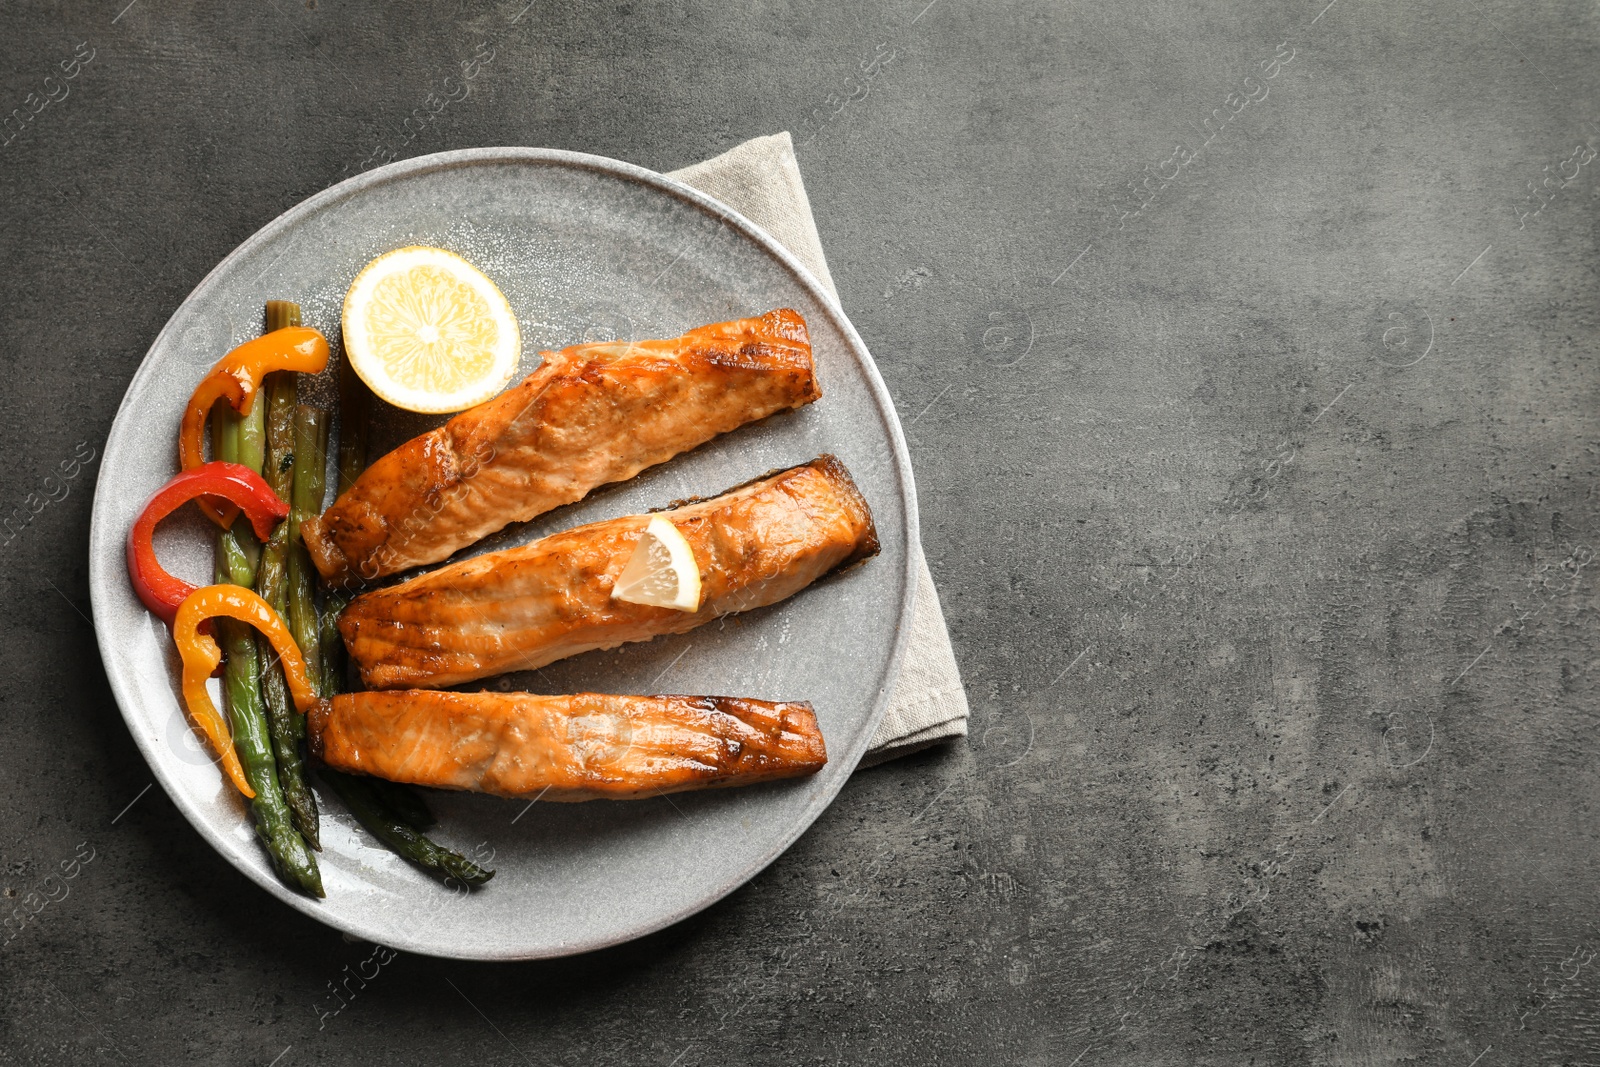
<point>282,716</point>
<point>310,450</point>
<point>239,439</point>
<point>235,438</point>
<point>282,396</point>
<point>283,720</point>
<point>355,407</point>
<point>367,805</point>
<point>332,644</point>
<point>237,549</point>
<point>404,802</point>
<point>281,314</point>
<point>274,821</point>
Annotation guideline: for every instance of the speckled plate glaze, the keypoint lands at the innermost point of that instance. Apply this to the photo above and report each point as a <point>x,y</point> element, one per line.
<point>585,248</point>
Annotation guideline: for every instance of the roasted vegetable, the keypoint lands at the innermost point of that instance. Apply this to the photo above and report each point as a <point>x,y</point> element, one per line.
<point>200,655</point>
<point>243,437</point>
<point>310,452</point>
<point>236,378</point>
<point>362,798</point>
<point>160,591</point>
<point>285,724</point>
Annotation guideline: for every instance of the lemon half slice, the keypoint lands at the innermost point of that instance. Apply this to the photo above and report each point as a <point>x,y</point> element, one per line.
<point>428,332</point>
<point>661,572</point>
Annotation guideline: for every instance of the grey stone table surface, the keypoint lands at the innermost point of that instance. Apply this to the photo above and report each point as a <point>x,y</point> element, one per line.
<point>1246,355</point>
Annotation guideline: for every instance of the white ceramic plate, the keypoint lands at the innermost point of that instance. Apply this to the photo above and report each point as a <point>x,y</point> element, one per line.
<point>585,248</point>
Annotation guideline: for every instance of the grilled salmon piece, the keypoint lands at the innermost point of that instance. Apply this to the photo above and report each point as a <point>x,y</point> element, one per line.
<point>582,747</point>
<point>525,607</point>
<point>589,415</point>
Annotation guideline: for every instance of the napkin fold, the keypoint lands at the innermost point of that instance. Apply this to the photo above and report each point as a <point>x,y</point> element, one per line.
<point>761,180</point>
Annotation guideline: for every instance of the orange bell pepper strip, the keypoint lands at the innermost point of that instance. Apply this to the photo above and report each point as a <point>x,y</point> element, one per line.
<point>201,656</point>
<point>236,378</point>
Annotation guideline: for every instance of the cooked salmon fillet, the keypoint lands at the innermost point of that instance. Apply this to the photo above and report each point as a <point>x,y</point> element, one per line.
<point>525,607</point>
<point>581,747</point>
<point>589,415</point>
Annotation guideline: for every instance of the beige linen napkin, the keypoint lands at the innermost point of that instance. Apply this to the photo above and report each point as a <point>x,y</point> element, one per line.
<point>761,180</point>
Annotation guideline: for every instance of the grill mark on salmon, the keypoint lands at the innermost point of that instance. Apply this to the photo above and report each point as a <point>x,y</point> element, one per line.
<point>566,748</point>
<point>590,415</point>
<point>522,608</point>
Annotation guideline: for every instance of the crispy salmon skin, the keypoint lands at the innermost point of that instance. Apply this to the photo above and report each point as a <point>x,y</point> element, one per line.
<point>524,607</point>
<point>589,415</point>
<point>581,747</point>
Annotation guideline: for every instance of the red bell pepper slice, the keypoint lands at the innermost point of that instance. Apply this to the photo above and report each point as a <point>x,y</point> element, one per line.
<point>239,485</point>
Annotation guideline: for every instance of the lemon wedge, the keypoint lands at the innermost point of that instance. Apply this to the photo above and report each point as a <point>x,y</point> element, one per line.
<point>428,332</point>
<point>661,572</point>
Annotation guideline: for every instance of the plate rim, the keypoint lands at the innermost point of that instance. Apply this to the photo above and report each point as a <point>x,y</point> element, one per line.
<point>354,186</point>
